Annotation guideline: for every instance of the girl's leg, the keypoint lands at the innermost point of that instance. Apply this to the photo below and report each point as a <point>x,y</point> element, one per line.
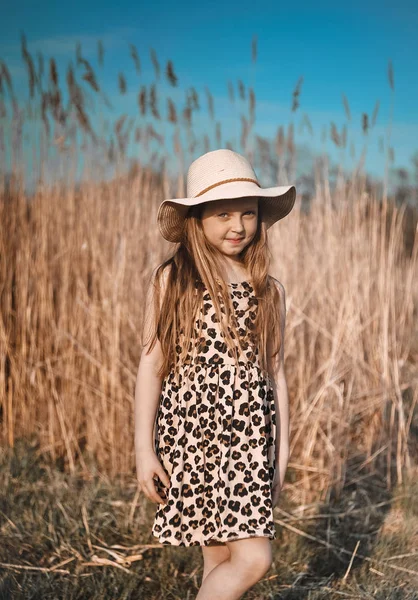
<point>250,559</point>
<point>213,555</point>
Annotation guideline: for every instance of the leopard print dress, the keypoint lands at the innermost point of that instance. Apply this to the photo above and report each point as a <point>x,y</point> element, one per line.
<point>215,434</point>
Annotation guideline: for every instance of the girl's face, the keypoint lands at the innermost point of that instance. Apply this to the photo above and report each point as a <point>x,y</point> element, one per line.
<point>231,224</point>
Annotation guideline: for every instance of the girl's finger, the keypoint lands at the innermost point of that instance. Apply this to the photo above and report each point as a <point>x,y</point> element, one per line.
<point>164,477</point>
<point>154,495</point>
<point>150,492</point>
<point>157,498</point>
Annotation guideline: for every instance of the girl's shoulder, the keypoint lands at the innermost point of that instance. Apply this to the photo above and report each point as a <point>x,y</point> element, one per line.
<point>162,272</point>
<point>156,285</point>
<point>282,297</point>
<point>278,284</point>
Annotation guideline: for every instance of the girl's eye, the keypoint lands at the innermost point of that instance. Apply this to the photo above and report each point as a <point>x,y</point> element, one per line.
<point>248,211</point>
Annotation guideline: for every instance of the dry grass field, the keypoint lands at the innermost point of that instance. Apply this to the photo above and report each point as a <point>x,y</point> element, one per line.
<point>75,259</point>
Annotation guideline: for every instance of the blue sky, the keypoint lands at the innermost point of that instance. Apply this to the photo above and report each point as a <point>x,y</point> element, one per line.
<point>337,48</point>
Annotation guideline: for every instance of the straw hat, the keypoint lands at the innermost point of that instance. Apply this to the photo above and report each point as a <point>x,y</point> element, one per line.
<point>221,175</point>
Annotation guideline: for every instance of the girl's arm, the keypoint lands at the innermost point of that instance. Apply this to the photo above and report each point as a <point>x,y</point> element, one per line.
<point>148,384</point>
<point>147,395</point>
<point>281,397</point>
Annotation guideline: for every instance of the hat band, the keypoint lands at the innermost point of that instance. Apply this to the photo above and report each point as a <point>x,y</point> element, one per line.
<point>226,181</point>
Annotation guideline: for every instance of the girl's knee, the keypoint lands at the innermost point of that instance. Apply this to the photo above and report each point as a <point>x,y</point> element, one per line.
<point>261,564</point>
<point>252,555</point>
<point>215,553</point>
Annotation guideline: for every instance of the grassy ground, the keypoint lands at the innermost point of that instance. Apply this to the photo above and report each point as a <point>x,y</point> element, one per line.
<point>63,536</point>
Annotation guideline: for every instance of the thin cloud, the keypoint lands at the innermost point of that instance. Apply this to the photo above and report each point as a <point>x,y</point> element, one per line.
<point>65,45</point>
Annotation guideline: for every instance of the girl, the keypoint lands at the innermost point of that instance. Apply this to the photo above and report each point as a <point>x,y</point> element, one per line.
<point>211,376</point>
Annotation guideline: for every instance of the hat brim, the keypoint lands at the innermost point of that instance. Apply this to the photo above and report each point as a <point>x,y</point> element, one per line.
<point>278,201</point>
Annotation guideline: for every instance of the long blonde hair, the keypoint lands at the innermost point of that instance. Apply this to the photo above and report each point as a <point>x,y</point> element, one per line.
<point>195,265</point>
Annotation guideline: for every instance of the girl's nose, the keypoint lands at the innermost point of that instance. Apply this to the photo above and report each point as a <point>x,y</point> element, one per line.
<point>238,226</point>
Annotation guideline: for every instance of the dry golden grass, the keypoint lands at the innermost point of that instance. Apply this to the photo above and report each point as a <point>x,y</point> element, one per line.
<point>74,276</point>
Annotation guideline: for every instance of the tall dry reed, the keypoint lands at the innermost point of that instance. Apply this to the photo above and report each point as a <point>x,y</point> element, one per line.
<point>73,286</point>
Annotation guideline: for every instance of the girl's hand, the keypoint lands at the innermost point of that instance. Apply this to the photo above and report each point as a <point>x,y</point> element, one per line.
<point>148,465</point>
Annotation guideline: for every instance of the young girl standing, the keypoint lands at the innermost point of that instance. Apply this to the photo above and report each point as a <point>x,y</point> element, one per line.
<point>211,376</point>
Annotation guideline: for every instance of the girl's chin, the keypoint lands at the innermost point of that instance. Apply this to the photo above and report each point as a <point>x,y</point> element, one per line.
<point>228,246</point>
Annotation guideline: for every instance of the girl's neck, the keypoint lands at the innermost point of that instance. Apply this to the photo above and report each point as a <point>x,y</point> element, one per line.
<point>235,275</point>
